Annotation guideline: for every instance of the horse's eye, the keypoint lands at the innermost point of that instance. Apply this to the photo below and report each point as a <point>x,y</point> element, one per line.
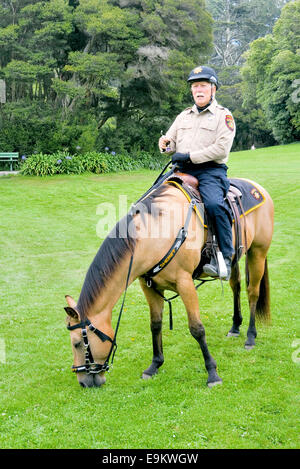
<point>77,345</point>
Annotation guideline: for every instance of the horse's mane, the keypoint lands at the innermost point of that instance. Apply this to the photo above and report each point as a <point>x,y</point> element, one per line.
<point>120,242</point>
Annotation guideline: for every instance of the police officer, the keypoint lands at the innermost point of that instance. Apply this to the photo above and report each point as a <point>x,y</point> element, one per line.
<point>201,137</point>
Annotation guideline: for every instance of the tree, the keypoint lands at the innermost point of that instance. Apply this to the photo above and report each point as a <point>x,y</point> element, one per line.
<point>33,49</point>
<point>237,24</point>
<point>132,63</point>
<point>271,73</point>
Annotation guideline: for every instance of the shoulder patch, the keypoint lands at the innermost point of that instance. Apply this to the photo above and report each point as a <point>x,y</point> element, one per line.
<point>229,122</point>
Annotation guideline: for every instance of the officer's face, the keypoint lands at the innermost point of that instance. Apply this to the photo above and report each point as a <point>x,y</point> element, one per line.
<point>201,91</point>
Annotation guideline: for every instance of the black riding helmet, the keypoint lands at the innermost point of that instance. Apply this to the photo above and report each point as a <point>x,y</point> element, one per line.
<point>204,73</point>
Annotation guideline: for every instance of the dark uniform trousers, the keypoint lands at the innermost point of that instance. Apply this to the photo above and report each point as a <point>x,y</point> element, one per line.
<point>213,187</point>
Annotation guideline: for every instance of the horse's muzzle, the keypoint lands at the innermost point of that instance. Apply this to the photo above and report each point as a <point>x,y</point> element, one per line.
<point>90,381</point>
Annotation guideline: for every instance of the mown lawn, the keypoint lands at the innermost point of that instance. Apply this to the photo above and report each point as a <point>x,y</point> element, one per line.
<point>48,239</point>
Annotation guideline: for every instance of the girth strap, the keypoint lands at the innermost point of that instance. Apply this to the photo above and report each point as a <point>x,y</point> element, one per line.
<point>231,198</point>
<point>180,239</point>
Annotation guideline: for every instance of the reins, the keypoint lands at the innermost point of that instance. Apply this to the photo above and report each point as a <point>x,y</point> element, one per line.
<point>90,367</point>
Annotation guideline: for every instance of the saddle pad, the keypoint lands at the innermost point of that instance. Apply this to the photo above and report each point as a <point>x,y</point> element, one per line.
<point>252,198</point>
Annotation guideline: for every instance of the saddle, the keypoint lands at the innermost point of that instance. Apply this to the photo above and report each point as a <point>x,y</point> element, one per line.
<point>233,198</point>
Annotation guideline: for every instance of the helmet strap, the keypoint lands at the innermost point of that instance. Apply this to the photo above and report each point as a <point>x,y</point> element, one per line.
<point>211,96</point>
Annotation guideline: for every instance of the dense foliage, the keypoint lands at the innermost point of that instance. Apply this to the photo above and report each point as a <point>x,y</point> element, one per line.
<point>96,73</point>
<point>80,76</point>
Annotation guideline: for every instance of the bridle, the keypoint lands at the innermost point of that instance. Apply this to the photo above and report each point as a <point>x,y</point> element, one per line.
<point>90,367</point>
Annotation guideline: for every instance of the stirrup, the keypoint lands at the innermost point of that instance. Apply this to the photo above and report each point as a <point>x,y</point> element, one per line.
<point>217,268</point>
<point>223,272</point>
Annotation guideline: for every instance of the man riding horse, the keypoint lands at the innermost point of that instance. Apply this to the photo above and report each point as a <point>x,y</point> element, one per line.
<point>200,139</point>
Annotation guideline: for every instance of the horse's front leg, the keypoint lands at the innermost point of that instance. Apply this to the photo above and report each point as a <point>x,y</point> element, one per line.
<point>187,291</point>
<point>156,304</point>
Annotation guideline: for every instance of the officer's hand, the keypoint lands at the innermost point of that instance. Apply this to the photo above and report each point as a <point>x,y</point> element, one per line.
<point>163,143</point>
<point>181,158</point>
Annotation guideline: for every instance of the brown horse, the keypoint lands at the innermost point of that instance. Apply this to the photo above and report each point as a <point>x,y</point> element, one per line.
<point>139,241</point>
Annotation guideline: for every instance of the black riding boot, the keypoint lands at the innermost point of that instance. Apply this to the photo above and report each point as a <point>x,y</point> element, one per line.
<point>212,269</point>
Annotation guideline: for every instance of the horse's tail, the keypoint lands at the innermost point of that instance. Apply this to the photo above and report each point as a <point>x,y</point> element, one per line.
<point>263,311</point>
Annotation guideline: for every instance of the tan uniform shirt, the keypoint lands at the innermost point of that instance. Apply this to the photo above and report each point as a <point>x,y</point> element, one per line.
<point>207,136</point>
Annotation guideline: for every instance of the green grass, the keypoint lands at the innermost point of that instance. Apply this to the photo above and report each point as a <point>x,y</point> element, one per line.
<point>48,239</point>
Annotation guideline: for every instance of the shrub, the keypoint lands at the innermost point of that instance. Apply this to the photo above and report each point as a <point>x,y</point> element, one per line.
<point>39,164</point>
<point>150,161</point>
<point>68,164</point>
<point>94,162</point>
<point>62,162</point>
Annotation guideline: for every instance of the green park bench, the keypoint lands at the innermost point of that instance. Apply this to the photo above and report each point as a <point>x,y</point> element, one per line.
<point>9,157</point>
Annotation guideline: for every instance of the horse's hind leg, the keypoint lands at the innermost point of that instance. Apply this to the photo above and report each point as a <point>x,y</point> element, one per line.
<point>235,283</point>
<point>156,304</point>
<point>257,276</point>
<point>187,291</point>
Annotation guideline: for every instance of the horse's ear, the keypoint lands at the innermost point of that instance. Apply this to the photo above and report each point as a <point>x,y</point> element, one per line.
<point>71,302</point>
<point>72,312</point>
<point>71,309</point>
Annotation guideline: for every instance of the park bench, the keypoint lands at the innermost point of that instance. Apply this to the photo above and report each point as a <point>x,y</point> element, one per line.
<point>9,157</point>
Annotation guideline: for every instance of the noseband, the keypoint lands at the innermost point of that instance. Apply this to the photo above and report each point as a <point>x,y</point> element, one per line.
<point>90,367</point>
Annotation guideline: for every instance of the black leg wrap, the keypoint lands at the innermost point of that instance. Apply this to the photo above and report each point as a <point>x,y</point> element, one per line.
<point>198,332</point>
<point>158,358</point>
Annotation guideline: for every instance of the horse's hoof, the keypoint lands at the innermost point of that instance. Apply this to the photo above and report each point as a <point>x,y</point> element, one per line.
<point>214,383</point>
<point>249,346</point>
<point>146,376</point>
<point>233,334</point>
